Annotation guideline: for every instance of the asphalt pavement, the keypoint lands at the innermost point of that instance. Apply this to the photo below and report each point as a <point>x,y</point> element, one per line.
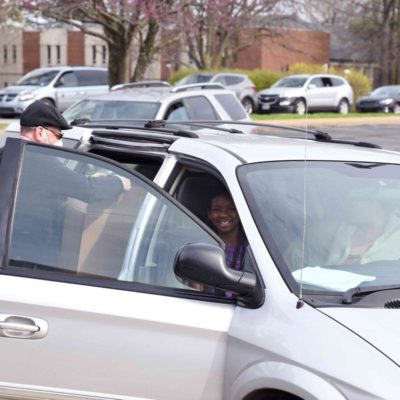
<point>383,131</point>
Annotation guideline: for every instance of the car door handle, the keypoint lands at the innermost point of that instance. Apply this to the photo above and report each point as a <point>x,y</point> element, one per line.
<point>21,327</point>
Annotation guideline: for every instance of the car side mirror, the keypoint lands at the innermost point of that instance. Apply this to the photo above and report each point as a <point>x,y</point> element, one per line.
<point>311,86</point>
<point>58,84</point>
<point>205,264</point>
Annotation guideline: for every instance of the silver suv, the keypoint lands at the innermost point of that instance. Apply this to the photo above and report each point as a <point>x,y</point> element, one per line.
<point>59,86</point>
<point>241,84</point>
<point>301,93</point>
<point>195,102</point>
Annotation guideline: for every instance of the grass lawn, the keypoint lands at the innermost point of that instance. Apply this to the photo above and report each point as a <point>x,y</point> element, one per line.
<point>257,117</point>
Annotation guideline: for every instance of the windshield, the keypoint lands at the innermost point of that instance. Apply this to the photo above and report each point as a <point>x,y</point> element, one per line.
<point>37,78</point>
<point>196,78</point>
<point>108,109</point>
<point>386,91</point>
<point>291,82</point>
<point>352,230</point>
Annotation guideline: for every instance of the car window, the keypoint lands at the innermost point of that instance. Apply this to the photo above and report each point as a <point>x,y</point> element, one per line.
<point>92,77</point>
<point>221,79</point>
<point>337,81</point>
<point>326,82</point>
<point>346,201</point>
<point>110,109</point>
<point>177,112</point>
<point>37,78</point>
<point>317,82</point>
<point>103,223</point>
<point>231,105</point>
<point>68,79</point>
<point>233,80</point>
<point>199,107</point>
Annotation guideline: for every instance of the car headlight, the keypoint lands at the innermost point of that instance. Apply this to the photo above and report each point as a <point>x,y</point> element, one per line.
<point>386,102</point>
<point>285,101</point>
<point>26,96</point>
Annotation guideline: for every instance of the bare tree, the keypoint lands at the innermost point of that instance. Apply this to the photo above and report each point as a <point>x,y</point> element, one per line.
<point>211,28</point>
<point>121,21</point>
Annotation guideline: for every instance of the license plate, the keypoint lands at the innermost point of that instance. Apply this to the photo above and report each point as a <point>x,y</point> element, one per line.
<point>265,106</point>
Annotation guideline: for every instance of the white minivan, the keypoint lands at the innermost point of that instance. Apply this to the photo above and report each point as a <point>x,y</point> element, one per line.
<point>59,86</point>
<point>97,299</point>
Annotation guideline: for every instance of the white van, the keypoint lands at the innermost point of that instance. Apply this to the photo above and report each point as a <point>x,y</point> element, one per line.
<point>59,86</point>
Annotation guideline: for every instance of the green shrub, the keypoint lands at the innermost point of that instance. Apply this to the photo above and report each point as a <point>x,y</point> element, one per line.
<point>263,78</point>
<point>360,83</point>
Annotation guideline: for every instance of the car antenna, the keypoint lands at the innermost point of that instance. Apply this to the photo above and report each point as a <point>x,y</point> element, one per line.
<point>300,301</point>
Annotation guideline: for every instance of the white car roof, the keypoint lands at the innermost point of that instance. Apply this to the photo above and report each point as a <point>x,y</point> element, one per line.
<point>252,148</point>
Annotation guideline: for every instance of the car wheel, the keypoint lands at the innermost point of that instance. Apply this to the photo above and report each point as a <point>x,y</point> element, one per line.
<point>299,107</point>
<point>396,108</point>
<point>50,102</point>
<point>343,107</point>
<point>248,105</point>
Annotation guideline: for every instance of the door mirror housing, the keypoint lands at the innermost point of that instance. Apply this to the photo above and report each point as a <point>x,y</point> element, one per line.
<point>311,86</point>
<point>205,264</point>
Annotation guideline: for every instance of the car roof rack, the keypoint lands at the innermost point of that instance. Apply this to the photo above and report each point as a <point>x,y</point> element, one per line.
<point>141,84</point>
<point>318,135</point>
<point>160,126</point>
<point>194,86</point>
<point>130,127</point>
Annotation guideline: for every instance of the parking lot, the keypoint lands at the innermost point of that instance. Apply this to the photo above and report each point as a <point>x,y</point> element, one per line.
<point>383,131</point>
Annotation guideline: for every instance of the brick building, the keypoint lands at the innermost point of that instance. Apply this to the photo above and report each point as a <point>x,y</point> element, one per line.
<point>21,51</point>
<point>278,51</point>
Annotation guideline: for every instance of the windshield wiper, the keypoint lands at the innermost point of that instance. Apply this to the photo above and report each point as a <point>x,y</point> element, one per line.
<point>349,294</point>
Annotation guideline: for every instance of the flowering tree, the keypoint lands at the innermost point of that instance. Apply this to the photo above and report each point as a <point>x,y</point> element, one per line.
<point>122,22</point>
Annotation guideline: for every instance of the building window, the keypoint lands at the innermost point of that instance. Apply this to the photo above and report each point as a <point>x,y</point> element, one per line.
<point>104,54</point>
<point>14,53</point>
<point>94,54</point>
<point>5,54</point>
<point>48,55</point>
<point>58,54</point>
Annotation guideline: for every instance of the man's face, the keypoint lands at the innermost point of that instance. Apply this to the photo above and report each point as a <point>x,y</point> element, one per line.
<point>47,134</point>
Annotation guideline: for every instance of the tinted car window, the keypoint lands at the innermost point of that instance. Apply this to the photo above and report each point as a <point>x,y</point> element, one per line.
<point>231,106</point>
<point>92,77</point>
<point>199,107</point>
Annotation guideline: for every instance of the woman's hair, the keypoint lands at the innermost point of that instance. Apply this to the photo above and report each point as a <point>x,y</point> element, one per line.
<point>221,192</point>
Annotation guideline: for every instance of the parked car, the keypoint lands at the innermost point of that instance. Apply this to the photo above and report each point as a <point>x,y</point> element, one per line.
<point>383,99</point>
<point>141,84</point>
<point>301,93</point>
<point>59,86</point>
<point>241,84</point>
<point>178,103</point>
<point>116,316</point>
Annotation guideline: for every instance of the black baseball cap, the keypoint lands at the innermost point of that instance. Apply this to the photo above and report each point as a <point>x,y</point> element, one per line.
<point>43,114</point>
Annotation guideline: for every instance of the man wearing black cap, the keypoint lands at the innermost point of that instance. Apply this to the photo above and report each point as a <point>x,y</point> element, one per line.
<point>45,185</point>
<point>42,123</point>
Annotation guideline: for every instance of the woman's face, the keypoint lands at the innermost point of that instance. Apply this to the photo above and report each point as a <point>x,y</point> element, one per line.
<point>223,214</point>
